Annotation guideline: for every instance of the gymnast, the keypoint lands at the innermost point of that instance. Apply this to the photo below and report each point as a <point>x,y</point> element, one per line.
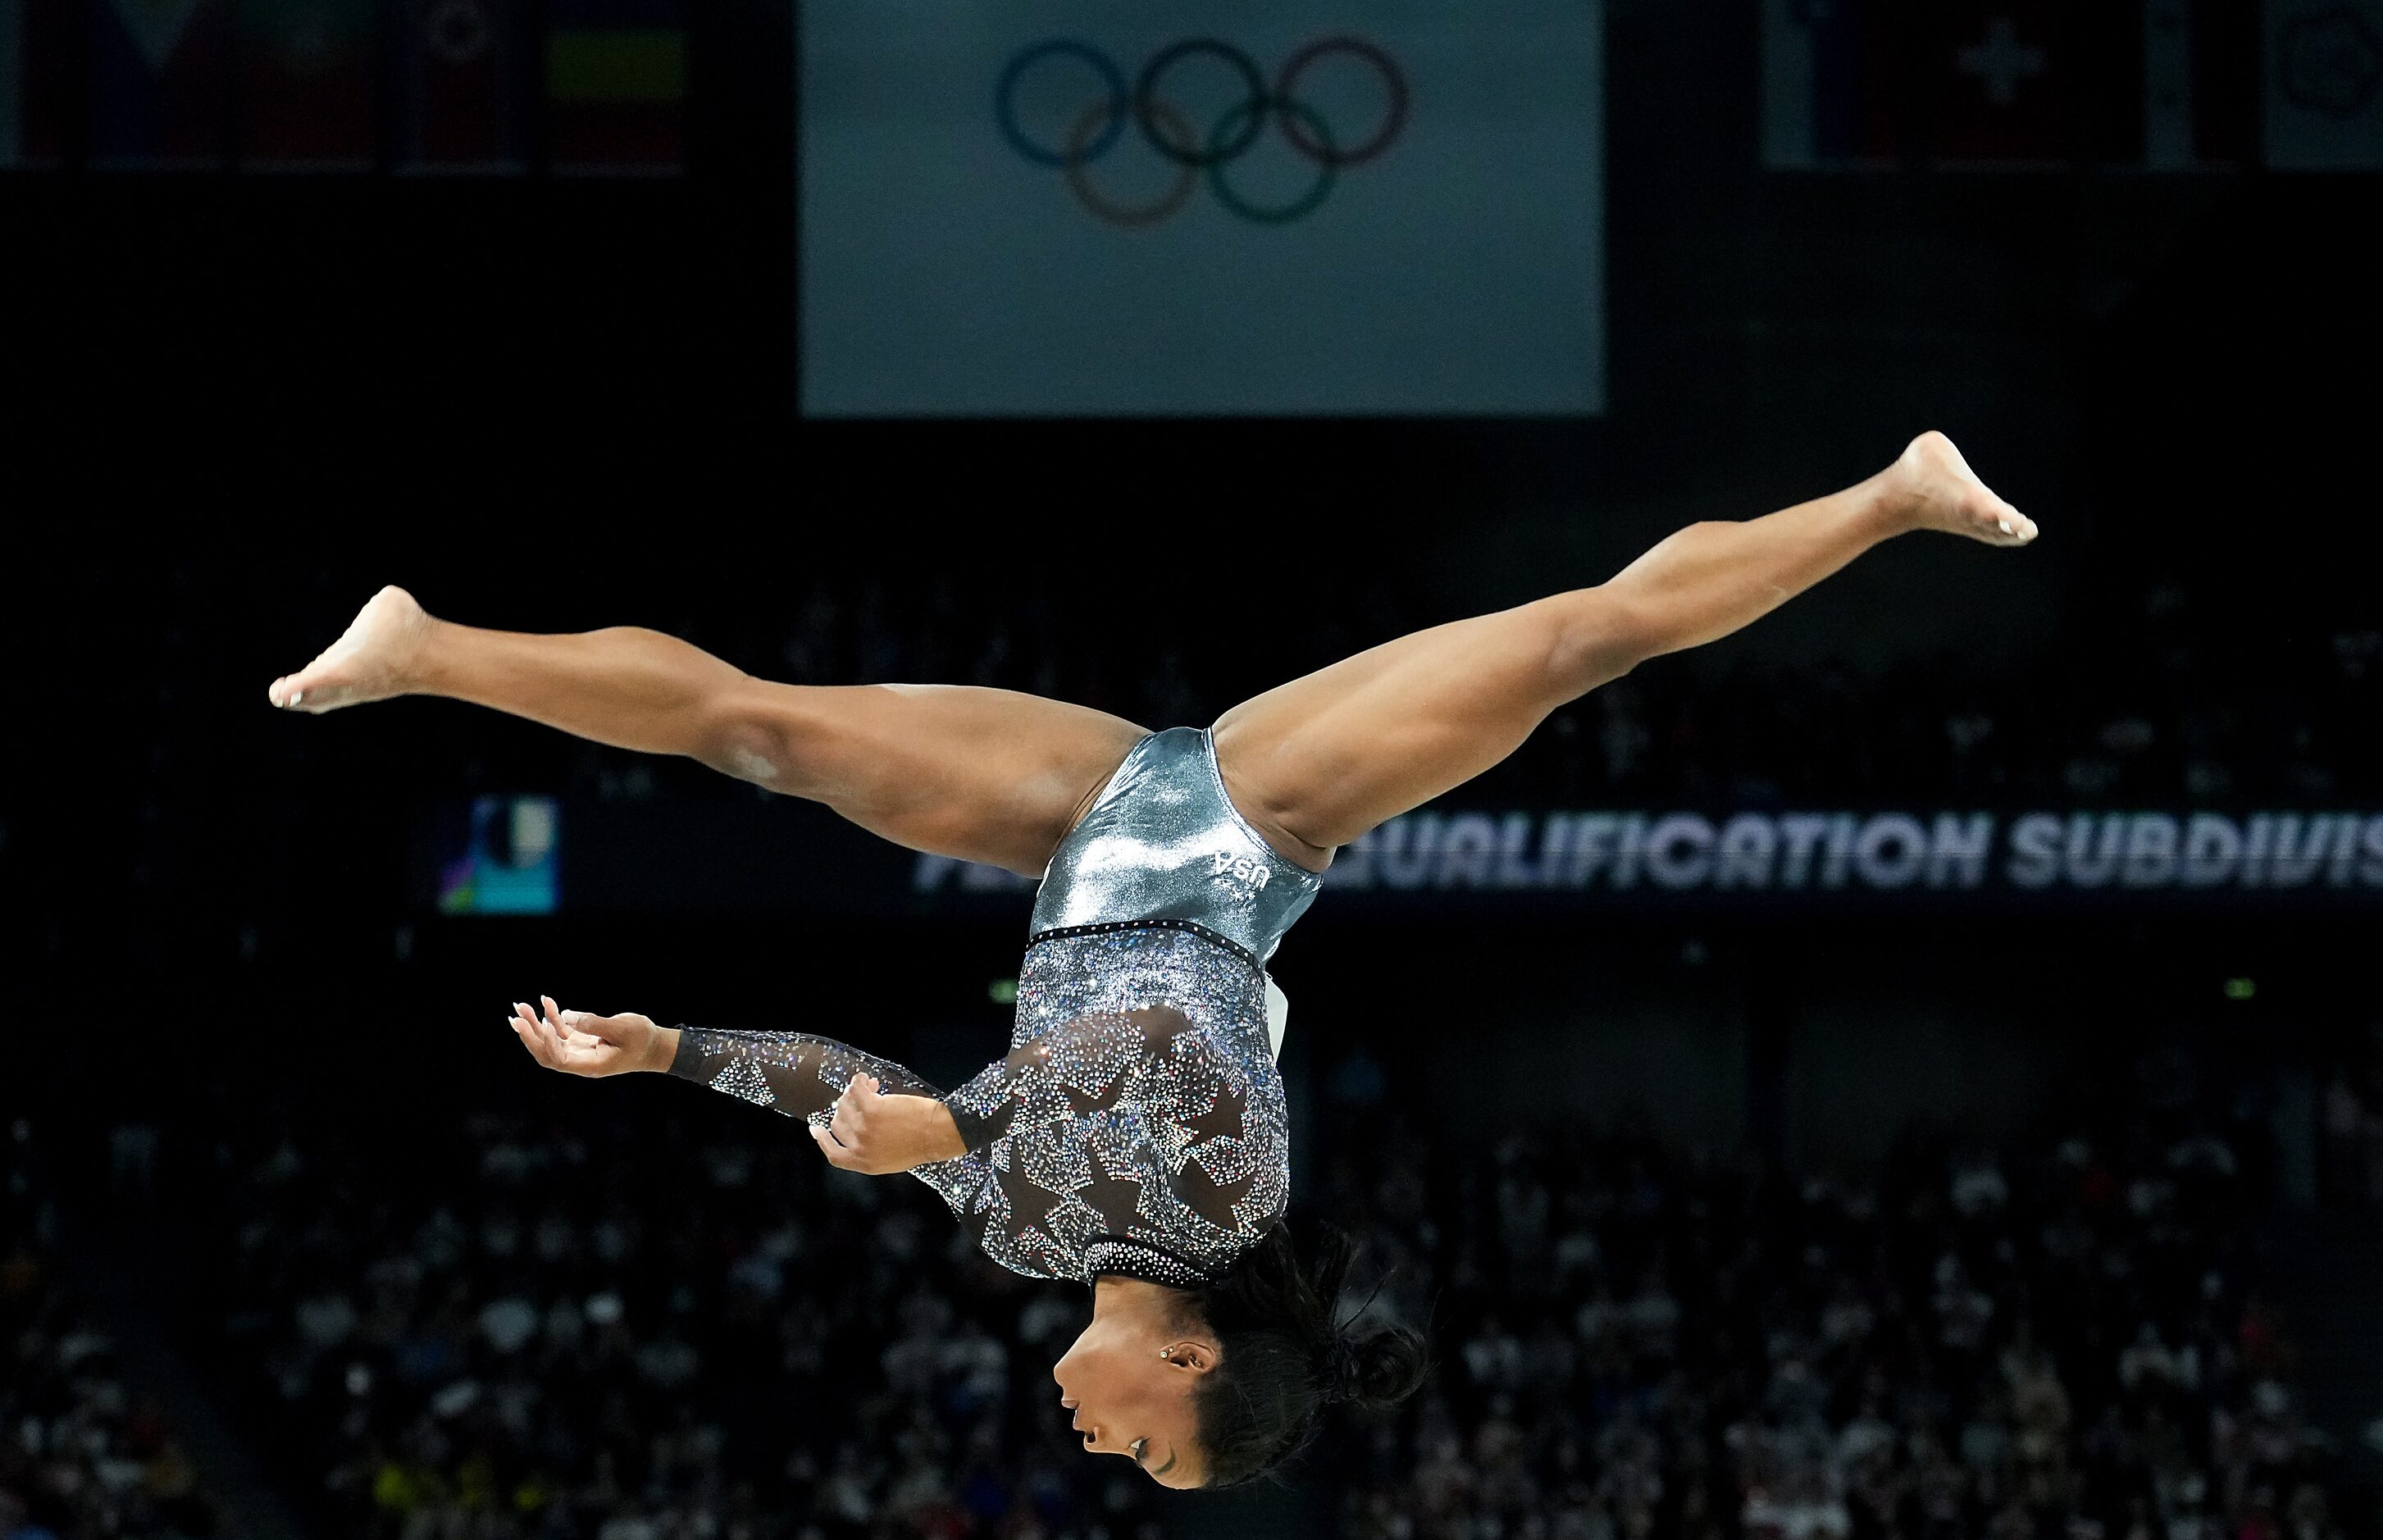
<point>1134,1139</point>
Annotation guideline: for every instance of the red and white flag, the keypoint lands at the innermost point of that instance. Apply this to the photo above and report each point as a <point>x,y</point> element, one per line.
<point>1999,82</point>
<point>2165,85</point>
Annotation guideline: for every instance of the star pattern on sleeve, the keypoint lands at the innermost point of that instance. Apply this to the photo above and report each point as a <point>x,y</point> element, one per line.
<point>1090,1082</point>
<point>1209,1198</point>
<point>1075,1080</point>
<point>1169,1142</point>
<point>740,1079</point>
<point>1114,1192</point>
<point>1084,1101</point>
<point>794,1073</point>
<point>1224,1117</point>
<point>1029,1202</point>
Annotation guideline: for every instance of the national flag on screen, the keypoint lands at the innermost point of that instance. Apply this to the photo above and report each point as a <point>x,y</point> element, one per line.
<point>306,84</point>
<point>2325,84</point>
<point>32,80</point>
<point>615,85</point>
<point>1998,79</point>
<point>2161,83</point>
<point>459,61</point>
<point>1832,83</point>
<point>159,76</point>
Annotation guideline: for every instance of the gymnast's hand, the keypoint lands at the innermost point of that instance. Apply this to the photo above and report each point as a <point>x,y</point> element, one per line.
<point>879,1135</point>
<point>579,1043</point>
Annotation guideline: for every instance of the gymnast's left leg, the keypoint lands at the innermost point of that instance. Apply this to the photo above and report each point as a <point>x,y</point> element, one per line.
<point>1318,761</point>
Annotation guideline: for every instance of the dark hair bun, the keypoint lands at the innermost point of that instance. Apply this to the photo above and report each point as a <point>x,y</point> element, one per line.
<point>1288,1351</point>
<point>1380,1369</point>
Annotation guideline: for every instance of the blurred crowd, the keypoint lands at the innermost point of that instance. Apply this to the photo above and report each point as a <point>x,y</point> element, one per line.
<point>2169,699</point>
<point>639,1331</point>
<point>2060,1340</point>
<point>82,1457</point>
<point>2351,1163</point>
<point>676,1325</point>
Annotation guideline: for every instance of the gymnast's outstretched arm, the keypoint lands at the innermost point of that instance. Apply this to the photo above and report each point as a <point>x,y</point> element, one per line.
<point>866,1113</point>
<point>872,1115</point>
<point>1318,761</point>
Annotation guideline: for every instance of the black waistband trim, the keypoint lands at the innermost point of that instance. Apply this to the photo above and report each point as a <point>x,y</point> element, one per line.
<point>1189,926</point>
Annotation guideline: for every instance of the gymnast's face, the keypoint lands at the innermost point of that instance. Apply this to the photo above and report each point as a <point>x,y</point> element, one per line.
<point>1127,1383</point>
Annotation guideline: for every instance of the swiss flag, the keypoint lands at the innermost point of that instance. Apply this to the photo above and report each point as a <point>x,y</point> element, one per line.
<point>2165,84</point>
<point>2001,80</point>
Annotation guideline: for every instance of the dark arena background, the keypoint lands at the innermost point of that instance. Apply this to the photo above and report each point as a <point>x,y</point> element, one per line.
<point>1913,1068</point>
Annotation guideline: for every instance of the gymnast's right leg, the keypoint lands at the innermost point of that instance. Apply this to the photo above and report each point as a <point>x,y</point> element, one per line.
<point>986,775</point>
<point>1317,762</point>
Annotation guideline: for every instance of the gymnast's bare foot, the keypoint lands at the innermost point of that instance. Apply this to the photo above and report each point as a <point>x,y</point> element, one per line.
<point>372,660</point>
<point>1933,487</point>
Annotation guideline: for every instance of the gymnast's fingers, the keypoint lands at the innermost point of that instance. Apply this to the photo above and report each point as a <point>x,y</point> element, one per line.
<point>563,1031</point>
<point>538,1025</point>
<point>567,1026</point>
<point>529,1040</point>
<point>593,1029</point>
<point>849,1125</point>
<point>836,1155</point>
<point>558,1047</point>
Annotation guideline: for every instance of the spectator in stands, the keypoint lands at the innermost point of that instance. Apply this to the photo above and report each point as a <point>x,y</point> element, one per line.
<point>82,1455</point>
<point>1969,1342</point>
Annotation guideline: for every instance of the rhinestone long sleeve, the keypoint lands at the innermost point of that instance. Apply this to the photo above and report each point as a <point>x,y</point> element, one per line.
<point>1136,1141</point>
<point>792,1073</point>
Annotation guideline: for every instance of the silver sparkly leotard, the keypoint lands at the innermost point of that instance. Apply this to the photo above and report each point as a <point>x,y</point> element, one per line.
<point>1137,1125</point>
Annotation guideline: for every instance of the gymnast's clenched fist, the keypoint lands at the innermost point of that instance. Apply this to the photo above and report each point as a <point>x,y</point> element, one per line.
<point>879,1135</point>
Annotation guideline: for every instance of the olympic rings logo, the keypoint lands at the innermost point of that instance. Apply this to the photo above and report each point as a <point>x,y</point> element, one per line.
<point>1101,124</point>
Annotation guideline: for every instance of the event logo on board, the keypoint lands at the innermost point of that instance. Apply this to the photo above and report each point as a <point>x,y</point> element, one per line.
<point>1192,149</point>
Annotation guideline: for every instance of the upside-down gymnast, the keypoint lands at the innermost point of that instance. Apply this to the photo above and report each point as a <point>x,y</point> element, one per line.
<point>1134,1138</point>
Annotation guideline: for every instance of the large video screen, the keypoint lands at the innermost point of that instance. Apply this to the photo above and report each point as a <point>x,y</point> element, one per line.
<point>1233,209</point>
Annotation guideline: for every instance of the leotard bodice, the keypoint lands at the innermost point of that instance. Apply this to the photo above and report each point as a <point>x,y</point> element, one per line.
<point>1137,1125</point>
